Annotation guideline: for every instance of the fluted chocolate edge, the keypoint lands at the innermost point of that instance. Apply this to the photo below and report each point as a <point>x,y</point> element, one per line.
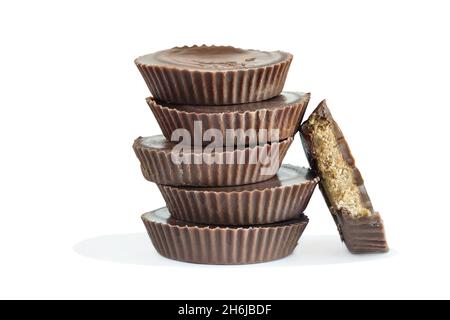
<point>285,118</point>
<point>218,87</point>
<point>238,207</point>
<point>363,234</point>
<point>157,166</point>
<point>224,245</point>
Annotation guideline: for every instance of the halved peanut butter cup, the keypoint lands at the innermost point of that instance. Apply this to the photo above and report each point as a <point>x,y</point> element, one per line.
<point>360,226</point>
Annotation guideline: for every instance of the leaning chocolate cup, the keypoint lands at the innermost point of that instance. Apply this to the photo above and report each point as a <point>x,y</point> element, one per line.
<point>278,199</point>
<point>274,119</point>
<point>204,244</point>
<point>214,75</point>
<point>342,185</point>
<point>245,165</point>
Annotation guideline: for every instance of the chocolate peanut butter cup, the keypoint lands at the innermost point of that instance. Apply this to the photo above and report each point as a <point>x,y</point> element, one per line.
<point>279,116</point>
<point>278,199</point>
<point>214,75</point>
<point>169,163</point>
<point>342,185</point>
<point>222,245</point>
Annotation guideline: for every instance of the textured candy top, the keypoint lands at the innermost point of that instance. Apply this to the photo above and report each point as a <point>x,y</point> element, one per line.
<point>213,58</point>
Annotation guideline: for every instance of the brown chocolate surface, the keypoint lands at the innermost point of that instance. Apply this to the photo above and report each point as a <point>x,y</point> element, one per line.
<point>213,58</point>
<point>222,245</point>
<point>280,101</point>
<point>202,169</point>
<point>160,143</point>
<point>287,175</point>
<point>214,75</point>
<point>364,234</point>
<point>276,119</point>
<point>341,183</point>
<point>278,199</point>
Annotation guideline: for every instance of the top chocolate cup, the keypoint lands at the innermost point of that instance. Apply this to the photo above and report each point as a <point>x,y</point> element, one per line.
<point>214,75</point>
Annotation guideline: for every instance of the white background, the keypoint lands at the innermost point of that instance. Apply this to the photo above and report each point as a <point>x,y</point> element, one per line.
<point>72,101</point>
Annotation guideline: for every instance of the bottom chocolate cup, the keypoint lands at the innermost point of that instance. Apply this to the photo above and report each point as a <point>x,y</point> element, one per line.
<point>186,242</point>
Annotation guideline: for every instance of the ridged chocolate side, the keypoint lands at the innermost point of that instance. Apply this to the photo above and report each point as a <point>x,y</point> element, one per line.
<point>157,166</point>
<point>362,235</point>
<point>238,207</point>
<point>209,245</point>
<point>286,119</point>
<point>351,229</point>
<point>216,87</point>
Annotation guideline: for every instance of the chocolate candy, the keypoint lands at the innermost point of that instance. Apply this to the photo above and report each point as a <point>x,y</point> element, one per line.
<point>341,183</point>
<point>188,242</point>
<point>279,116</point>
<point>278,199</point>
<point>244,165</point>
<point>214,75</point>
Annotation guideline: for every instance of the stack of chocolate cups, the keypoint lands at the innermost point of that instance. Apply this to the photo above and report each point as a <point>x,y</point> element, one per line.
<point>226,127</point>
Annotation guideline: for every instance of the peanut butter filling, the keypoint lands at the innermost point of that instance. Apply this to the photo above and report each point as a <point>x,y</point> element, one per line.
<point>336,174</point>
